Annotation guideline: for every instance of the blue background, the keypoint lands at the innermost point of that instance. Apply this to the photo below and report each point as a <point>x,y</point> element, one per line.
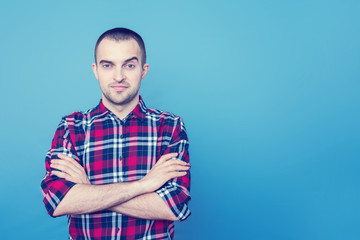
<point>269,91</point>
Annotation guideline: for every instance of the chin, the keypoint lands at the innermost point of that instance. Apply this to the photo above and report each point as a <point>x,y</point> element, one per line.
<point>122,101</point>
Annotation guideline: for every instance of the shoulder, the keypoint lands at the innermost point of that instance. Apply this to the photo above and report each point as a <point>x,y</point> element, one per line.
<point>166,121</point>
<point>162,116</point>
<point>170,126</point>
<point>80,118</point>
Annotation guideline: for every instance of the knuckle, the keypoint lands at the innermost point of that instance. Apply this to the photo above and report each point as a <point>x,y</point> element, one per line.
<point>174,161</point>
<point>70,179</point>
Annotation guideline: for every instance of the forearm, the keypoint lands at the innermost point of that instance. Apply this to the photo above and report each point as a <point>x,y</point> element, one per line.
<point>86,198</point>
<point>146,206</point>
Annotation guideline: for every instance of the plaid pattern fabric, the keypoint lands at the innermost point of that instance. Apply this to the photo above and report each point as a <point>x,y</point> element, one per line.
<point>113,150</point>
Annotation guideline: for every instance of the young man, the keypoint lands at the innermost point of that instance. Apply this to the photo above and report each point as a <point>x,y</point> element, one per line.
<point>119,170</point>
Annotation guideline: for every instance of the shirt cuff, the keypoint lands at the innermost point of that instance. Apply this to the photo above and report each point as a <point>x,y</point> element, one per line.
<point>176,198</point>
<point>56,193</point>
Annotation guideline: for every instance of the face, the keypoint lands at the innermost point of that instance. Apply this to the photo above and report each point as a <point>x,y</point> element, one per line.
<point>119,71</point>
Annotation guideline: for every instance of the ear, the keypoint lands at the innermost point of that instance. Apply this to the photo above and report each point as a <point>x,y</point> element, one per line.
<point>145,70</point>
<point>94,67</point>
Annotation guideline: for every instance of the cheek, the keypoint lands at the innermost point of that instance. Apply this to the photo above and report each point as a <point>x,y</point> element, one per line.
<point>104,77</point>
<point>103,83</point>
<point>103,74</point>
<point>135,76</point>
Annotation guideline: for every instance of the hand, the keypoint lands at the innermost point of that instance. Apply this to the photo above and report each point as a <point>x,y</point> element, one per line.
<point>70,169</point>
<point>165,169</point>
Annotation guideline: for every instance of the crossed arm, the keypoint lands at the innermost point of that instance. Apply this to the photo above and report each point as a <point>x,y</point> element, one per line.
<point>136,199</point>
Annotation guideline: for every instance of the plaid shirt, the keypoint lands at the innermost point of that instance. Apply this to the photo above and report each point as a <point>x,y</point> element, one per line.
<point>113,150</point>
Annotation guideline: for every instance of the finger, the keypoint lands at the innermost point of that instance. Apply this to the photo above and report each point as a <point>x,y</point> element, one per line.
<point>62,165</point>
<point>166,157</point>
<point>75,172</point>
<point>169,156</point>
<point>177,162</point>
<point>66,176</point>
<point>177,168</point>
<point>60,174</point>
<point>178,174</point>
<point>68,163</point>
<point>65,157</point>
<point>76,165</point>
<point>70,160</point>
<point>59,165</point>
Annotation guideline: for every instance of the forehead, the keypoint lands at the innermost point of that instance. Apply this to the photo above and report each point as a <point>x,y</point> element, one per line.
<point>109,49</point>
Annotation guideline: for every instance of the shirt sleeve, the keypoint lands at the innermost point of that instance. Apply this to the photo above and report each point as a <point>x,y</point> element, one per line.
<point>54,188</point>
<point>176,192</point>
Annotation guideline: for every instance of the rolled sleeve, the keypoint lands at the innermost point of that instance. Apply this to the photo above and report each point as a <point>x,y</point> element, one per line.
<point>54,188</point>
<point>176,192</point>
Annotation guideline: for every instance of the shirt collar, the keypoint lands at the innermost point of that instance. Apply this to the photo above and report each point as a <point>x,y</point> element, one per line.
<point>139,111</point>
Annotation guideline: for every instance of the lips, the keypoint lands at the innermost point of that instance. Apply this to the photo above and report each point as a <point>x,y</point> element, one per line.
<point>119,87</point>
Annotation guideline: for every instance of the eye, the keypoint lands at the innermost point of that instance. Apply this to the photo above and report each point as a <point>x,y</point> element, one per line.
<point>130,65</point>
<point>107,65</point>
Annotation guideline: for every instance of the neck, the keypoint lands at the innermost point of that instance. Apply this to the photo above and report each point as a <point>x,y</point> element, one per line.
<point>121,110</point>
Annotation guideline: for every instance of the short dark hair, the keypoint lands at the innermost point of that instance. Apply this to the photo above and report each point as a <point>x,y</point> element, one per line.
<point>119,34</point>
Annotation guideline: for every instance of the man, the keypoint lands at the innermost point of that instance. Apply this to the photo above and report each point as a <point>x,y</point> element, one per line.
<point>119,170</point>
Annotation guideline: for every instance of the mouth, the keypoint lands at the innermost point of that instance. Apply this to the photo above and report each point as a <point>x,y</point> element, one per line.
<point>119,87</point>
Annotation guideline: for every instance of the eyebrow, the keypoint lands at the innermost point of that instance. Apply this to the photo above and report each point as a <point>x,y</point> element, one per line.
<point>126,61</point>
<point>130,59</point>
<point>106,61</point>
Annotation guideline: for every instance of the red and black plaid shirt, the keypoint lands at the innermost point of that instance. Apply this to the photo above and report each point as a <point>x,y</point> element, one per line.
<point>113,150</point>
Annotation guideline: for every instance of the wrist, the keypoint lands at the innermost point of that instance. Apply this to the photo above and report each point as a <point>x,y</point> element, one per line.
<point>143,186</point>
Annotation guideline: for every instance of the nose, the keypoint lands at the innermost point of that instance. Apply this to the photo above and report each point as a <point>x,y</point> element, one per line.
<point>119,74</point>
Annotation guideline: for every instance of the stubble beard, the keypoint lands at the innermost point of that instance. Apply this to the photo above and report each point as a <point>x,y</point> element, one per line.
<point>122,100</point>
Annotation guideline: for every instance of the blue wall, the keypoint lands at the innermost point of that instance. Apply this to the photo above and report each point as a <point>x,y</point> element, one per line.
<point>269,91</point>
